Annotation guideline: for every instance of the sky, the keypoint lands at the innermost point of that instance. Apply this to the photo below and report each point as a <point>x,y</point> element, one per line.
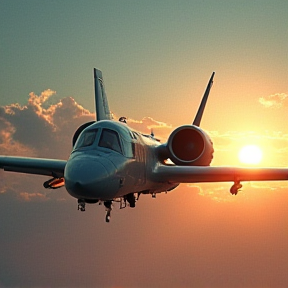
<point>156,58</point>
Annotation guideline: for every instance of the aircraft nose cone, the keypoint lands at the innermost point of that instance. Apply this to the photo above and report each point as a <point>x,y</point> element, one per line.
<point>88,178</point>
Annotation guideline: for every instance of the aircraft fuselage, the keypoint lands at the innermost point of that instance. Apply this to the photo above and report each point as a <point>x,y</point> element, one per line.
<point>110,160</point>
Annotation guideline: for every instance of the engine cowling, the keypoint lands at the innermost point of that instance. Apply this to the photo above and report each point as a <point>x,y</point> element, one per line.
<point>189,145</point>
<point>79,130</point>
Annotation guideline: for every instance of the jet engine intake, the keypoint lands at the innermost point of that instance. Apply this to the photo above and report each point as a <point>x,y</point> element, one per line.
<point>189,145</point>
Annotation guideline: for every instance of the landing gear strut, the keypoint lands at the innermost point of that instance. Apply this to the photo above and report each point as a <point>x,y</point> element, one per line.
<point>81,205</point>
<point>108,205</point>
<point>235,188</point>
<point>131,199</point>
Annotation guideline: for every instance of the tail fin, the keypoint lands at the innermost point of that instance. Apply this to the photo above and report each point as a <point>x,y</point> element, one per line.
<point>101,102</point>
<point>201,108</point>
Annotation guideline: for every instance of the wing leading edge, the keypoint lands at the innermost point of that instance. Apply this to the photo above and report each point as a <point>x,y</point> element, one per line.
<point>196,174</point>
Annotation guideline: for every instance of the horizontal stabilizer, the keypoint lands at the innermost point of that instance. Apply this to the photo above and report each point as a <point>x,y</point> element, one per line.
<point>199,114</point>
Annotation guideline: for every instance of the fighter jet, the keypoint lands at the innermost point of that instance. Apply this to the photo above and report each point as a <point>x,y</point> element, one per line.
<point>111,162</point>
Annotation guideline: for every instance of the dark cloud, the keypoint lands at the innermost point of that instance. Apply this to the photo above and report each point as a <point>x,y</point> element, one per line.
<point>34,130</point>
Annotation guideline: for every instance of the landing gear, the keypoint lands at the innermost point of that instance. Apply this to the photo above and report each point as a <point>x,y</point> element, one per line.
<point>108,206</point>
<point>81,205</point>
<point>235,188</point>
<point>131,199</point>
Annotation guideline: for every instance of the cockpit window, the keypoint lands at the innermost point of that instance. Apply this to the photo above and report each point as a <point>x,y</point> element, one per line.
<point>110,139</point>
<point>86,139</point>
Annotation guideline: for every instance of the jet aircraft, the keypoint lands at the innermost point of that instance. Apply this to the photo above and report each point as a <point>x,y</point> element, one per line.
<point>111,162</point>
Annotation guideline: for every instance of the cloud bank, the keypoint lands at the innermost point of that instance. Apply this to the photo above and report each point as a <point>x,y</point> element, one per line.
<point>36,130</point>
<point>277,100</point>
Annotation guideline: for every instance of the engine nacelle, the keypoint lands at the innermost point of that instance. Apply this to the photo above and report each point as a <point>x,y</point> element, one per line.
<point>79,130</point>
<point>189,145</point>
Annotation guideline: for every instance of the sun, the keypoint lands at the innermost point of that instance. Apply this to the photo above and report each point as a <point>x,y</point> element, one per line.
<point>250,154</point>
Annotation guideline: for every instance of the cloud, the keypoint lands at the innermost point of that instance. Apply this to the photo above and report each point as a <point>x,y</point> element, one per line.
<point>274,101</point>
<point>220,192</point>
<point>32,196</point>
<point>36,130</point>
<point>161,130</point>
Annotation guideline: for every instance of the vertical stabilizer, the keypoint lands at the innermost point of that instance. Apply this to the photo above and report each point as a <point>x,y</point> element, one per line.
<point>201,108</point>
<point>101,102</point>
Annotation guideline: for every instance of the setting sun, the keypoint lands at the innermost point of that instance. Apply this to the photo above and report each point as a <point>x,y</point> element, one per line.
<point>250,154</point>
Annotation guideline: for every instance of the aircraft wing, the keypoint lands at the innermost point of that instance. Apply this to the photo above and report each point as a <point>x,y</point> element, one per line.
<point>39,166</point>
<point>197,174</point>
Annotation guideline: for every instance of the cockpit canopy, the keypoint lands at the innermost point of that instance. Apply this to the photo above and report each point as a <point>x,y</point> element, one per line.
<point>102,139</point>
<point>87,138</point>
<point>110,139</point>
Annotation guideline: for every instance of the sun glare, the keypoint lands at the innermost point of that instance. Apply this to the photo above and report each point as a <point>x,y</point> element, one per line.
<point>250,154</point>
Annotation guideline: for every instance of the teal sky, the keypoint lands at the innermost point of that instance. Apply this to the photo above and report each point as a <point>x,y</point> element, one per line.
<point>155,55</point>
